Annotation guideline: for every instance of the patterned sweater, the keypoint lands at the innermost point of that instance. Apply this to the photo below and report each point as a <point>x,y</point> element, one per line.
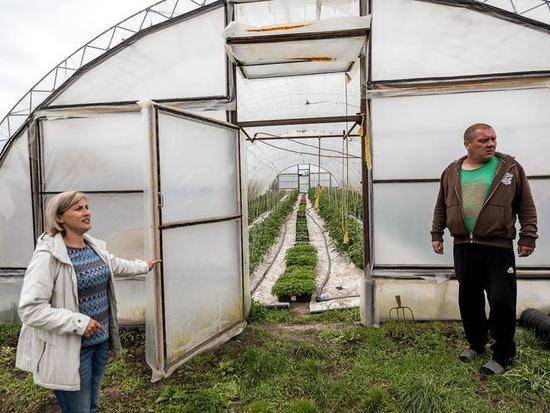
<point>92,276</point>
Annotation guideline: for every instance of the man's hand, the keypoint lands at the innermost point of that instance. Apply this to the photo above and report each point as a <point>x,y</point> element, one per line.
<point>525,251</point>
<point>92,327</point>
<point>438,247</point>
<point>152,263</point>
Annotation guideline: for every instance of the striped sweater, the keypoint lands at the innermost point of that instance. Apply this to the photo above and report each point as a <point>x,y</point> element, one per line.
<point>92,276</point>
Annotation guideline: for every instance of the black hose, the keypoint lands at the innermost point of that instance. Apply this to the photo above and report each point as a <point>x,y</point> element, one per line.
<point>538,322</point>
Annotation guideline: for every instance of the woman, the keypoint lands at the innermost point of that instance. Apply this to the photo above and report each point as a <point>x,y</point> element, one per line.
<point>68,306</point>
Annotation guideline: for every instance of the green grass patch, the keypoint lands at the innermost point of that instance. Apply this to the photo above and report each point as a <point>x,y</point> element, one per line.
<point>272,368</point>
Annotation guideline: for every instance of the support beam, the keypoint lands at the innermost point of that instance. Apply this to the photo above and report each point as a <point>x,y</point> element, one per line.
<point>299,121</point>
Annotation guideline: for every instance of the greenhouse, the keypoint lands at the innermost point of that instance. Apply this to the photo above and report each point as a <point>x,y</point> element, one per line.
<point>277,151</point>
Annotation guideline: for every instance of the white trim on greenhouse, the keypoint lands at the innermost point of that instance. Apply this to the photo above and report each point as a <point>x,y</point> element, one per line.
<point>165,133</point>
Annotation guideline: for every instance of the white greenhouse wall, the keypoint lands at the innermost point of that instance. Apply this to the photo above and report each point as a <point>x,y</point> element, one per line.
<point>16,227</point>
<point>431,301</point>
<point>169,63</point>
<point>415,39</point>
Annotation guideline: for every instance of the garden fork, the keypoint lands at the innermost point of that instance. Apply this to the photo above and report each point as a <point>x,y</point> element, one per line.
<point>401,313</point>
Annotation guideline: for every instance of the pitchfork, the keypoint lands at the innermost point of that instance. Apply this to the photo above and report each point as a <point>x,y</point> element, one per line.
<point>401,312</point>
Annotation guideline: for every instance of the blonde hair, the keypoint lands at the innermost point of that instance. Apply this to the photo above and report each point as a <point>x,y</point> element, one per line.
<point>57,206</point>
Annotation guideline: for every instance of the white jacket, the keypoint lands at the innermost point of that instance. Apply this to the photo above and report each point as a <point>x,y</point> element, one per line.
<point>50,338</point>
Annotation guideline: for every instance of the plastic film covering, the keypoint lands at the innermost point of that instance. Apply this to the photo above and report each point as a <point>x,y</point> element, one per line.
<point>207,149</point>
<point>268,158</point>
<point>296,57</point>
<point>16,226</point>
<point>203,296</point>
<point>93,151</point>
<point>402,219</point>
<point>266,13</point>
<point>152,66</point>
<point>236,30</point>
<point>540,190</point>
<point>298,97</point>
<point>456,42</point>
<point>427,124</point>
<point>117,219</point>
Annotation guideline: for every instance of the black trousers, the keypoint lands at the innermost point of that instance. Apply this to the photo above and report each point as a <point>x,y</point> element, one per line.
<point>482,268</point>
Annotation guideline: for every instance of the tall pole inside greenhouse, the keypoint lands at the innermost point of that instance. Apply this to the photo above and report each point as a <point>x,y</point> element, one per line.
<point>367,287</point>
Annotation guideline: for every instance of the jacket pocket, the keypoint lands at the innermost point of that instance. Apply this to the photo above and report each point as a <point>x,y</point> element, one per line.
<point>491,222</point>
<point>40,355</point>
<point>455,220</point>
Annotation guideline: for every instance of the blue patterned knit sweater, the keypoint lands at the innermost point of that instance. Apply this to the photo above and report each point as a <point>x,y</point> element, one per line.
<point>92,275</point>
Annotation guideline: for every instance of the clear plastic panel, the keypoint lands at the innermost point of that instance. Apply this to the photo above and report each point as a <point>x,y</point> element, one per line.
<point>541,195</point>
<point>402,221</point>
<point>152,66</point>
<point>298,97</point>
<point>100,153</point>
<point>16,226</point>
<point>203,295</point>
<point>429,132</point>
<point>117,219</point>
<point>198,169</point>
<point>265,13</point>
<point>457,41</point>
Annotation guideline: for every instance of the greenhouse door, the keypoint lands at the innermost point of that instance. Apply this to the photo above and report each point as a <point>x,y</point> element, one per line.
<point>200,287</point>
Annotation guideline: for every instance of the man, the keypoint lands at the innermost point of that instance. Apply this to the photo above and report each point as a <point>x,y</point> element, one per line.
<point>479,198</point>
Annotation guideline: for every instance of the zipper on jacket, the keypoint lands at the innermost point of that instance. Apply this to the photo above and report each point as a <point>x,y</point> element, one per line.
<point>471,237</point>
<point>40,359</point>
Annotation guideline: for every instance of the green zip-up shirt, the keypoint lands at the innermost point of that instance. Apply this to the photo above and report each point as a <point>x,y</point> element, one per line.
<point>475,187</point>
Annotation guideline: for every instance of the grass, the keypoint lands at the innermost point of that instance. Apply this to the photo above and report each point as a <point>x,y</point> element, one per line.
<point>314,366</point>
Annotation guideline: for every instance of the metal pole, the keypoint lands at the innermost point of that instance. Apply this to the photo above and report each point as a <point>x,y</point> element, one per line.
<point>368,293</point>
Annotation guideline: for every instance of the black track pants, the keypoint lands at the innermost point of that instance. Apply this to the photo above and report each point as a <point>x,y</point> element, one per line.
<point>482,268</point>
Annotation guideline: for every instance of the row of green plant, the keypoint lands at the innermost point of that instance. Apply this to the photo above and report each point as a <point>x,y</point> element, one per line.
<point>302,234</point>
<point>298,279</point>
<point>263,235</point>
<point>347,234</point>
<point>263,203</point>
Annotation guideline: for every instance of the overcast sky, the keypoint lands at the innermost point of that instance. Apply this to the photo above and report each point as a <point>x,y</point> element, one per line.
<point>35,35</point>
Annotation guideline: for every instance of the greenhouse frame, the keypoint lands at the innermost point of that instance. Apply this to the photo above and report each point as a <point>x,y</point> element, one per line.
<point>172,119</point>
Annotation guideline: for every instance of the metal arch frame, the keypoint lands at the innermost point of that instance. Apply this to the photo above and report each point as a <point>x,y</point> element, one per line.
<point>76,61</point>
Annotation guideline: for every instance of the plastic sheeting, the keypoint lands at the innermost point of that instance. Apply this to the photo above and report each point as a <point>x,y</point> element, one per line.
<point>16,226</point>
<point>298,97</point>
<point>416,39</point>
<point>153,66</point>
<point>266,13</point>
<point>431,129</point>
<point>402,219</point>
<point>87,153</point>
<point>268,158</point>
<point>203,150</point>
<point>433,137</point>
<point>291,58</point>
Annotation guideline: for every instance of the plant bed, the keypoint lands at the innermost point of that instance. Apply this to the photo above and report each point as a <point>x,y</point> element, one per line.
<point>263,235</point>
<point>303,255</point>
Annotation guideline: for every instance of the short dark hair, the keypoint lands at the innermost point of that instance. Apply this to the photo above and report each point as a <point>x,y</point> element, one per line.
<point>470,133</point>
